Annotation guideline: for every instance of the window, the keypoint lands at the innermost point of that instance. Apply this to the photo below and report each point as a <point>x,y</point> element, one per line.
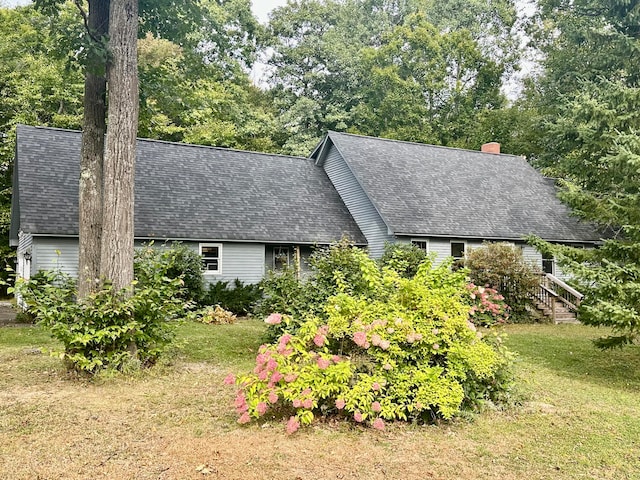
<point>547,263</point>
<point>421,244</point>
<point>280,258</point>
<point>211,257</point>
<point>457,250</point>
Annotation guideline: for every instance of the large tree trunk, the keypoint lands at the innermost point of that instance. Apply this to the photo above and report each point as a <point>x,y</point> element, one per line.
<point>116,264</point>
<point>92,154</point>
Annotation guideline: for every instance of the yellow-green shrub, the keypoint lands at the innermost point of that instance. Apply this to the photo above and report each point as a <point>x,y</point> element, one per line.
<point>402,350</point>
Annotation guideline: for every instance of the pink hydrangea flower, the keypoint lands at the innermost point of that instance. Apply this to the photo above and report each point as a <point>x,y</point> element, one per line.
<point>306,391</point>
<point>387,366</point>
<point>378,424</point>
<point>375,387</point>
<point>229,379</point>
<point>274,319</point>
<point>435,331</point>
<point>323,363</point>
<point>336,358</point>
<point>435,346</point>
<point>261,408</point>
<point>340,404</point>
<point>262,376</point>
<point>360,339</point>
<point>293,425</point>
<point>307,403</point>
<point>375,340</point>
<point>297,403</point>
<point>240,400</point>
<point>376,407</point>
<point>385,344</point>
<point>286,338</point>
<point>319,340</point>
<point>244,418</point>
<point>273,397</point>
<point>290,377</point>
<point>357,416</point>
<point>272,364</point>
<point>276,377</point>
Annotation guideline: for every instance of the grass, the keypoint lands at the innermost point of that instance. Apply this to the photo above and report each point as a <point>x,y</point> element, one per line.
<point>581,419</point>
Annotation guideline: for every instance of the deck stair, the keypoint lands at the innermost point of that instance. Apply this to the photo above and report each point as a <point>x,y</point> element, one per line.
<point>557,300</point>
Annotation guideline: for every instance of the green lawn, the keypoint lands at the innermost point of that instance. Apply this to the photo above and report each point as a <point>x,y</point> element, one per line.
<point>580,418</point>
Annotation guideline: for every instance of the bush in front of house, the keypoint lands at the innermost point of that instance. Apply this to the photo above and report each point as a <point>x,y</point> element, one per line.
<point>178,261</point>
<point>239,299</point>
<point>339,267</point>
<point>113,330</point>
<point>404,258</point>
<point>501,266</point>
<point>389,348</point>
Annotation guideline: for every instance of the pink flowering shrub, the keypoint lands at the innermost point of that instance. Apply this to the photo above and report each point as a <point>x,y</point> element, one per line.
<point>401,349</point>
<point>488,307</point>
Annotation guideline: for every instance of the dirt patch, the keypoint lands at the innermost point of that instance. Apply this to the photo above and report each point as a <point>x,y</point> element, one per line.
<point>7,314</point>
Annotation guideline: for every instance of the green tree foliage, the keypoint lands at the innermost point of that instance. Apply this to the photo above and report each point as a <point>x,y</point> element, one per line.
<point>340,65</point>
<point>586,106</point>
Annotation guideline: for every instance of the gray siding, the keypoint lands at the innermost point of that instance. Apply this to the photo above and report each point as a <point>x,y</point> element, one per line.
<point>50,253</point>
<point>532,256</point>
<point>357,202</point>
<point>244,261</point>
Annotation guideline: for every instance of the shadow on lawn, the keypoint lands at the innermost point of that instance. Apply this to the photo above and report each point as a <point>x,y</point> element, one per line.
<point>569,350</point>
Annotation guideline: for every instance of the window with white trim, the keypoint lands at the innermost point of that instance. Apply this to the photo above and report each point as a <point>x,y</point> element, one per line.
<point>211,257</point>
<point>457,250</point>
<point>421,244</point>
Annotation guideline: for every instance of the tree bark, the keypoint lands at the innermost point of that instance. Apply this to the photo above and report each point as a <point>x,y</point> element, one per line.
<point>116,253</point>
<point>92,154</point>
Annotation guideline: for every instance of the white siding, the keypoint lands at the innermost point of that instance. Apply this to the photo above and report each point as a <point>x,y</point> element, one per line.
<point>357,202</point>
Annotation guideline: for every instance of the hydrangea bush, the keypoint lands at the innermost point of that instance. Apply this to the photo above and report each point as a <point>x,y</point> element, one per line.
<point>399,349</point>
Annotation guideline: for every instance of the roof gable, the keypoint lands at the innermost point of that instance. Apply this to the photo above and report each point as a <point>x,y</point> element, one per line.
<point>426,190</point>
<point>187,192</point>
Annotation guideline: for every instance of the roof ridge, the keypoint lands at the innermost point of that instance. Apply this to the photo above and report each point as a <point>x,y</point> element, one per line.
<point>181,144</point>
<point>393,140</point>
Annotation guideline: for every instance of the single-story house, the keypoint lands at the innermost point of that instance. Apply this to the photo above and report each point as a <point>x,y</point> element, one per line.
<point>244,212</point>
<point>446,200</point>
<point>248,212</point>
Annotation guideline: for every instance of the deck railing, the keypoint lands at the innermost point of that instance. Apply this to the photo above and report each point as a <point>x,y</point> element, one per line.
<point>554,291</point>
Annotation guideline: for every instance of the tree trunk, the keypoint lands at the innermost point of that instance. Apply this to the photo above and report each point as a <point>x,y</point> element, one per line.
<point>116,264</point>
<point>92,154</point>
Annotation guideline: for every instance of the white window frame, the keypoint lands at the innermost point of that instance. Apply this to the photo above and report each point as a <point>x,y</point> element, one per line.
<point>421,240</point>
<point>211,272</point>
<point>451,242</point>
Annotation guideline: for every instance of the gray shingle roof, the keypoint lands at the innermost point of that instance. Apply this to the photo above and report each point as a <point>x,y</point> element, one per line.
<point>186,192</point>
<point>428,190</point>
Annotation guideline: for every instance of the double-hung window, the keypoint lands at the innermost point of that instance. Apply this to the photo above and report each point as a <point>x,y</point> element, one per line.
<point>211,257</point>
<point>421,244</point>
<point>457,250</point>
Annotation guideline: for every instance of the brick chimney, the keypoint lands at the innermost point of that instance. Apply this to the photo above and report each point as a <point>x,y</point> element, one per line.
<point>491,147</point>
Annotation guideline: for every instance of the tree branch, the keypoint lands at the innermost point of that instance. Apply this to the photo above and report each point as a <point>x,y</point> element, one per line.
<point>85,18</point>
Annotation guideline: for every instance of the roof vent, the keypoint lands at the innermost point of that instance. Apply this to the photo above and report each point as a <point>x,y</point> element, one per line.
<point>491,147</point>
